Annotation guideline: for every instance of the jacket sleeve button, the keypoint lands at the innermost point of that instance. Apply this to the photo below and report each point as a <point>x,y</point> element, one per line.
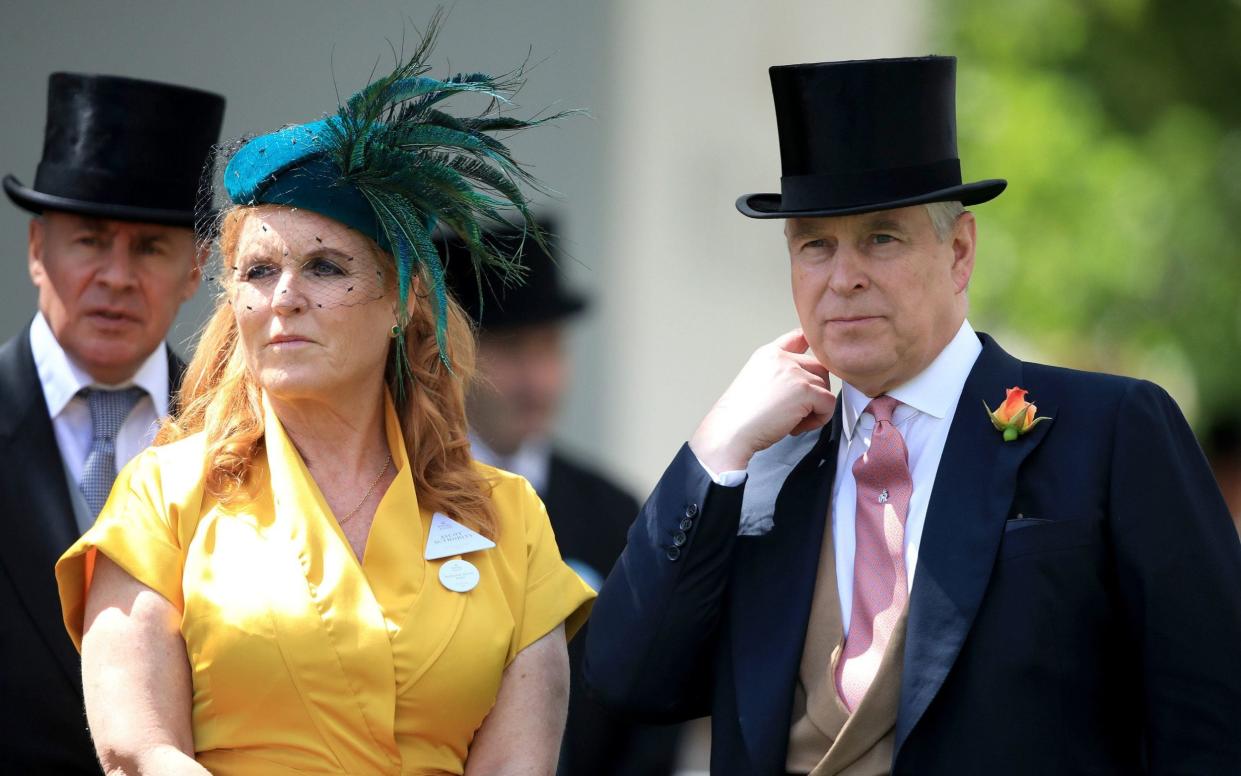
<point>691,510</point>
<point>674,553</point>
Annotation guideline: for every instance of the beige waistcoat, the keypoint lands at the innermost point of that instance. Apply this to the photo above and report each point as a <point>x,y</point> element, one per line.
<point>825,738</point>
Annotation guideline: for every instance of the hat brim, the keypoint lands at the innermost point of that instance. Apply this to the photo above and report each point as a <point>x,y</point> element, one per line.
<point>562,308</point>
<point>769,205</point>
<point>36,202</point>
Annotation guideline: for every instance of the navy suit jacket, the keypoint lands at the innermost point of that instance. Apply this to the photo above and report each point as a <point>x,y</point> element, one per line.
<point>1076,606</point>
<point>42,721</point>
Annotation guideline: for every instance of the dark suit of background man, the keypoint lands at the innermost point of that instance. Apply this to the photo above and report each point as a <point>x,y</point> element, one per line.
<point>1222,443</point>
<point>522,377</point>
<point>113,255</point>
<point>886,581</point>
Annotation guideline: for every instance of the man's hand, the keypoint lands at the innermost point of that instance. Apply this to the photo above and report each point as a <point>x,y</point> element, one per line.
<point>781,390</point>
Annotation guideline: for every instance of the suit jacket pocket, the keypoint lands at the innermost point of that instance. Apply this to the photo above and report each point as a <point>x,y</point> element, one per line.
<point>1028,536</point>
<point>1021,522</point>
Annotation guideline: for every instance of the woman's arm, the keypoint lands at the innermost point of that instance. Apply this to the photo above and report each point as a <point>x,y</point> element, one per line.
<point>136,677</point>
<point>521,735</point>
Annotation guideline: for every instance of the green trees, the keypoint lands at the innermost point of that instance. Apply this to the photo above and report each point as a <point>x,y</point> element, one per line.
<point>1118,125</point>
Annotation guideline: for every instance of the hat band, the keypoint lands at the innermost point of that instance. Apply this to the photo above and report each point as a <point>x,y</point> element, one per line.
<point>130,189</point>
<point>827,191</point>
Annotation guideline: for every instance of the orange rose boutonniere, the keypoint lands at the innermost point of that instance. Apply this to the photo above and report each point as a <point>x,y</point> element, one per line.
<point>1015,416</point>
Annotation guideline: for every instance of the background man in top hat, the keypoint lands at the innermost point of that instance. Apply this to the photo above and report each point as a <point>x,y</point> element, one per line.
<point>523,374</point>
<point>113,255</point>
<point>915,586</point>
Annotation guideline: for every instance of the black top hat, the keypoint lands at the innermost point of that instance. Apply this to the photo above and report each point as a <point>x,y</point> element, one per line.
<point>122,148</point>
<point>541,298</point>
<point>866,135</point>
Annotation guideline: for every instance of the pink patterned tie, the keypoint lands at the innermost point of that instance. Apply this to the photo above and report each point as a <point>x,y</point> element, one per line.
<point>880,589</point>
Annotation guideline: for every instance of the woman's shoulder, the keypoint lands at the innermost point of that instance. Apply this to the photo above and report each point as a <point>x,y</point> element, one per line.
<point>505,485</point>
<point>549,592</point>
<point>173,468</point>
<point>514,498</point>
<point>187,450</point>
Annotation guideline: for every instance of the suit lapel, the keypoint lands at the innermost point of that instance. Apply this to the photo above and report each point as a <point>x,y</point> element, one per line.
<point>36,507</point>
<point>771,591</point>
<point>37,515</point>
<point>970,502</point>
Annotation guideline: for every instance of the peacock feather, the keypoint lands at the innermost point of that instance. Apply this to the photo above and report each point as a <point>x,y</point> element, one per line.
<point>419,167</point>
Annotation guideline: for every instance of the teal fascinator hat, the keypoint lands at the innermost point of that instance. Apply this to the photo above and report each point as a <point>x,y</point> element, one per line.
<point>394,164</point>
<point>294,167</point>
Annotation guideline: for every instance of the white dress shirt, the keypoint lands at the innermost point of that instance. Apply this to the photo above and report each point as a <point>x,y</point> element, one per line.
<point>70,414</point>
<point>928,405</point>
<point>532,460</point>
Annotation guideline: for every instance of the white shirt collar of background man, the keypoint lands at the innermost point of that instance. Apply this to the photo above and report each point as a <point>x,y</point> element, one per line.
<point>62,379</point>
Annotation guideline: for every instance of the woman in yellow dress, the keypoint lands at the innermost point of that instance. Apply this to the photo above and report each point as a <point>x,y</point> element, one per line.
<point>308,573</point>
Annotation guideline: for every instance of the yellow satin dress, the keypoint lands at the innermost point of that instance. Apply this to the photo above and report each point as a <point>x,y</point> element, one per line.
<point>303,659</point>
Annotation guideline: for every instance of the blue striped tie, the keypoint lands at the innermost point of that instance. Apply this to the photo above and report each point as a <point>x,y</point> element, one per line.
<point>108,410</point>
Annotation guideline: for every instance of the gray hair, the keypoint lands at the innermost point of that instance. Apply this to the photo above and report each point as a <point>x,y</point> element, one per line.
<point>944,217</point>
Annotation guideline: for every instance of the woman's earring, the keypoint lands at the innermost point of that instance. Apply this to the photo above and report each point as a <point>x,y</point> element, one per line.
<point>396,331</point>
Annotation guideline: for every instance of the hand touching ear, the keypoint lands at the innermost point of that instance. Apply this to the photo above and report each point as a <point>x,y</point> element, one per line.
<point>781,390</point>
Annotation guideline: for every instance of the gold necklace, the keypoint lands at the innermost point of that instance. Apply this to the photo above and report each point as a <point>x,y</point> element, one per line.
<point>369,490</point>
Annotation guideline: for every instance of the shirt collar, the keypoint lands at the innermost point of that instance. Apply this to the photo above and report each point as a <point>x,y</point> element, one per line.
<point>62,379</point>
<point>933,391</point>
<point>531,460</point>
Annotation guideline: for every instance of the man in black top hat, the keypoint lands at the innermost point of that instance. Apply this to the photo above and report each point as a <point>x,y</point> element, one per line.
<point>963,563</point>
<point>113,254</point>
<point>522,379</point>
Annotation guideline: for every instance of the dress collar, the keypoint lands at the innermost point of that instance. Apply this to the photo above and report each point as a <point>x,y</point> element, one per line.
<point>362,603</point>
<point>62,379</point>
<point>933,391</point>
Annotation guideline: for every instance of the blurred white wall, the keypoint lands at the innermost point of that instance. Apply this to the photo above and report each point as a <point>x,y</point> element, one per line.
<point>681,123</point>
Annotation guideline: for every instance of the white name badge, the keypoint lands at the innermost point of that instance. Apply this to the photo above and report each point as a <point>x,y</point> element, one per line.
<point>448,537</point>
<point>459,576</point>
